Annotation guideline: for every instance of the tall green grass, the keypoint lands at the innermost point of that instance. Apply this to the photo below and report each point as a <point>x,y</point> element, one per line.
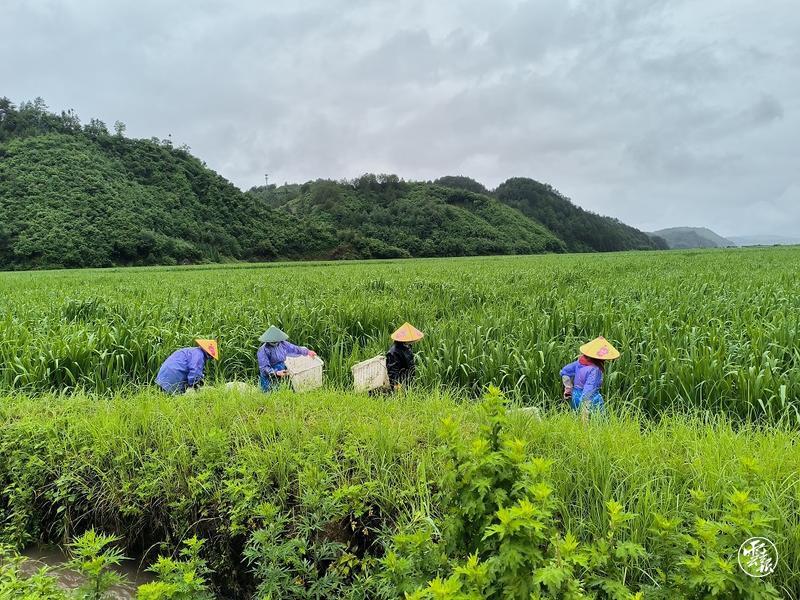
<point>157,470</point>
<point>709,330</point>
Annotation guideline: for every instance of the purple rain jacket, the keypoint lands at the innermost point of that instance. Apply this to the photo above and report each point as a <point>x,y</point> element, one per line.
<point>269,355</point>
<point>183,368</point>
<point>587,378</point>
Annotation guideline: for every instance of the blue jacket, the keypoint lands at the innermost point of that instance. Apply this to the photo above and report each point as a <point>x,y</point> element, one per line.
<point>183,368</point>
<point>587,378</point>
<point>269,356</point>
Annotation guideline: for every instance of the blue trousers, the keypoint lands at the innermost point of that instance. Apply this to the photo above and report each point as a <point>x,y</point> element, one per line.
<point>595,402</point>
<point>270,382</point>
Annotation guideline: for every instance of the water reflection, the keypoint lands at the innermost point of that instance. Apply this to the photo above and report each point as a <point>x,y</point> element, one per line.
<point>54,558</point>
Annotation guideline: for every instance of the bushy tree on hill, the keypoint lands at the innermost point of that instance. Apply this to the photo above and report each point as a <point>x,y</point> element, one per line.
<point>460,182</point>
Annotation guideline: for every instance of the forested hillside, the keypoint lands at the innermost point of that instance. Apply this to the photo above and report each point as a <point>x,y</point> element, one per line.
<point>383,216</point>
<point>73,196</point>
<point>78,195</point>
<point>581,230</point>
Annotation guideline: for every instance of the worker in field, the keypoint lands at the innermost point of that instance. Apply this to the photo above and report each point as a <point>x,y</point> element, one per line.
<point>400,357</point>
<point>583,378</point>
<point>275,349</point>
<point>184,369</point>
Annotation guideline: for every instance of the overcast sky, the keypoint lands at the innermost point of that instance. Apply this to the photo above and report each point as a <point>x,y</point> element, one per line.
<point>660,113</point>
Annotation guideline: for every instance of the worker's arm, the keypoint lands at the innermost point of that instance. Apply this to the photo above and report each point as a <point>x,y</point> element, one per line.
<point>393,367</point>
<point>197,363</point>
<point>264,365</point>
<point>297,350</point>
<point>569,370</point>
<point>567,378</point>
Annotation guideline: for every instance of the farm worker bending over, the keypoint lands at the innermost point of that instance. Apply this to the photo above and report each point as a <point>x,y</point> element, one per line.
<point>185,368</point>
<point>400,357</point>
<point>583,378</point>
<point>273,353</point>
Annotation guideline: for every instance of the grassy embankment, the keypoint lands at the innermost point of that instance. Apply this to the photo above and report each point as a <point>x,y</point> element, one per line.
<point>157,470</point>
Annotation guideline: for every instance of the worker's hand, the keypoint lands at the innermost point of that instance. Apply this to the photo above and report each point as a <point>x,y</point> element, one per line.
<point>281,373</point>
<point>312,354</point>
<point>567,393</point>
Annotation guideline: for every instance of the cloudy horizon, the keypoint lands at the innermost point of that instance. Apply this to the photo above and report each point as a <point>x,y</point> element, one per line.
<point>658,113</point>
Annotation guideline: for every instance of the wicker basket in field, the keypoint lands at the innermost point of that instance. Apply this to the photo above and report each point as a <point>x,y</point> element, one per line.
<point>305,372</point>
<point>370,374</point>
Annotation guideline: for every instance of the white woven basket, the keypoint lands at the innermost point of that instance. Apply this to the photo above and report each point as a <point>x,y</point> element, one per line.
<point>305,372</point>
<point>370,374</point>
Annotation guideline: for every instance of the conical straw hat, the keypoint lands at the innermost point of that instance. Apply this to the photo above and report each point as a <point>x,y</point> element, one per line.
<point>600,348</point>
<point>273,335</point>
<point>209,346</point>
<point>407,333</point>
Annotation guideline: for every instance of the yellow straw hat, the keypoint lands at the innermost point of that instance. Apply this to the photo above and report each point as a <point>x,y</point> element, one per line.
<point>600,348</point>
<point>209,346</point>
<point>407,333</point>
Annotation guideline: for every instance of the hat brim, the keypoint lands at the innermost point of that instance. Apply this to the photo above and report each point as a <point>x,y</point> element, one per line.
<point>407,339</point>
<point>270,339</point>
<point>407,333</point>
<point>588,350</point>
<point>209,347</point>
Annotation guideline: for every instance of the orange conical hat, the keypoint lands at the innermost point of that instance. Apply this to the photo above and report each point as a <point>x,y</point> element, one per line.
<point>407,333</point>
<point>600,348</point>
<point>209,346</point>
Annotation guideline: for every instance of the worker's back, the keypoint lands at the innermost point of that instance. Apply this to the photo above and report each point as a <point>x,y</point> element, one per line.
<point>177,370</point>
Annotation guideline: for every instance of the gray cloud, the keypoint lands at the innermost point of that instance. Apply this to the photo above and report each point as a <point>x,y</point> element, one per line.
<point>658,112</point>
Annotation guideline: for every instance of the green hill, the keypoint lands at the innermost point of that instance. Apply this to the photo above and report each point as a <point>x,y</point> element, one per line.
<point>73,196</point>
<point>73,202</point>
<point>383,216</point>
<point>693,237</point>
<point>581,230</point>
<point>459,182</point>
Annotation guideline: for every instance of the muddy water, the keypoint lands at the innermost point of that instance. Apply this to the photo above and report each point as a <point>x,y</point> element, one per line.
<point>54,558</point>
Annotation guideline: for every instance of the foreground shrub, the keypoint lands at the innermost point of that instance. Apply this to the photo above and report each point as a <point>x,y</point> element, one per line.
<point>94,556</point>
<point>337,495</point>
<point>182,579</point>
<point>501,537</point>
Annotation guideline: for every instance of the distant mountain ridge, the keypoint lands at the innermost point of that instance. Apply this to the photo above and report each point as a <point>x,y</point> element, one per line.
<point>77,195</point>
<point>693,237</point>
<point>765,240</point>
<point>452,216</point>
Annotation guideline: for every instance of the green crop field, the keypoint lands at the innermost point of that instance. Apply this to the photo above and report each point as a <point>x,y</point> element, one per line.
<point>710,330</point>
<point>437,493</point>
